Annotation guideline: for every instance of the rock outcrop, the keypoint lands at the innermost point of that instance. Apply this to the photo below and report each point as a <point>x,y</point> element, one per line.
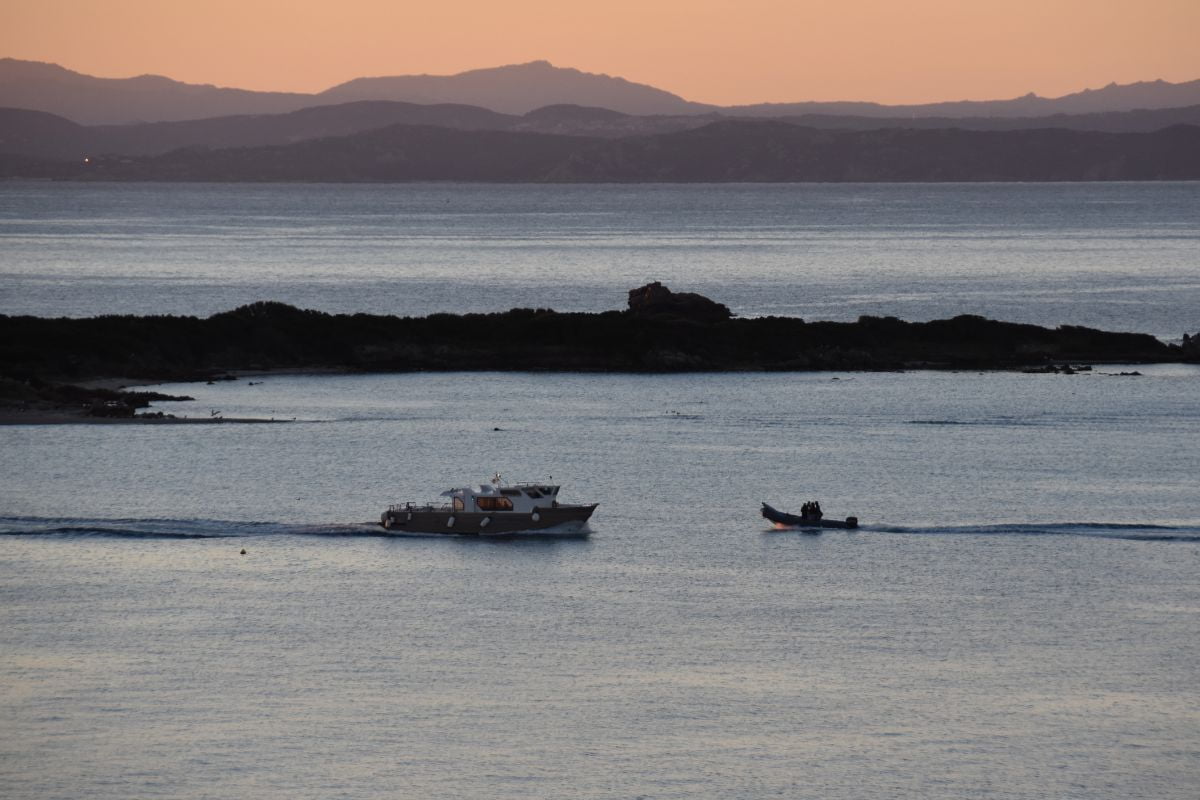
<point>656,300</point>
<point>1191,347</point>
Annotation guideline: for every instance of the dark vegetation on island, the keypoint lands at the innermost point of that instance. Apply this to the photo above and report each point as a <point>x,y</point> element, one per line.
<point>33,393</point>
<point>660,331</point>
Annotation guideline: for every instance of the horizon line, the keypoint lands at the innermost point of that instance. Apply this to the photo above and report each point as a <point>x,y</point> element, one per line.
<point>547,62</point>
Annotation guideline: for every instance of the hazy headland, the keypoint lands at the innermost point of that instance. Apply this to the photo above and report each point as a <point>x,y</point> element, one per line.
<point>540,123</point>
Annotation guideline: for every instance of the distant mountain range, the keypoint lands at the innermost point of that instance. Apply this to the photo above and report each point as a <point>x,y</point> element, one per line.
<point>1114,97</point>
<point>536,122</point>
<point>728,150</point>
<point>43,135</point>
<point>514,90</point>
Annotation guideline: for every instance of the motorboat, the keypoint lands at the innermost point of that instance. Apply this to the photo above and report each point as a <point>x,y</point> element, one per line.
<point>809,520</point>
<point>490,509</point>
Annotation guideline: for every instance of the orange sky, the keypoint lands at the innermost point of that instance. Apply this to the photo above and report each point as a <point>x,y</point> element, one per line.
<point>717,51</point>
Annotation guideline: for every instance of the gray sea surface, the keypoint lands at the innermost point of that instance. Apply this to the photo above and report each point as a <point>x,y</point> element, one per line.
<point>1116,256</point>
<point>1017,617</point>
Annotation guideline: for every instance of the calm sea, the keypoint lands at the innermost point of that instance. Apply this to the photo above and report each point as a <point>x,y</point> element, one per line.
<point>1018,617</point>
<point>1113,256</point>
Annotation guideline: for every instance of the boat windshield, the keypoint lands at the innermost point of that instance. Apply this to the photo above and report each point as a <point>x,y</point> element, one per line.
<point>494,503</point>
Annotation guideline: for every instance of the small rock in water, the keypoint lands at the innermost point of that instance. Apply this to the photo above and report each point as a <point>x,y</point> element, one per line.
<point>243,551</point>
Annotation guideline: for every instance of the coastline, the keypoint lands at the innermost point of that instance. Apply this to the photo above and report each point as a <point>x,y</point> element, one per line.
<point>84,371</point>
<point>47,416</point>
<point>13,416</point>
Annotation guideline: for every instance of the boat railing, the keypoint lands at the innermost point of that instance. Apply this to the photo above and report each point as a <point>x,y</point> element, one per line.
<point>400,508</point>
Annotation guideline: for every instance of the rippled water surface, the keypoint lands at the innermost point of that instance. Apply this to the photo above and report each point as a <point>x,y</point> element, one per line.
<point>1018,617</point>
<point>1112,256</point>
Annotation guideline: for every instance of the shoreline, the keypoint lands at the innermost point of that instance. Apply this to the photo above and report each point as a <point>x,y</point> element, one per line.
<point>10,417</point>
<point>102,370</point>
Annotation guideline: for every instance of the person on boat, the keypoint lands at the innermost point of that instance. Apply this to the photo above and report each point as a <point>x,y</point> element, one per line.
<point>804,511</point>
<point>816,510</point>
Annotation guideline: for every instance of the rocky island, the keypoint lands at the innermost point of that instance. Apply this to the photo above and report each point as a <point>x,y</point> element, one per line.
<point>43,361</point>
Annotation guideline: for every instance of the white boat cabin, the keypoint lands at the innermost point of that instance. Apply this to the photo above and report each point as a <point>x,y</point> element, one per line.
<point>518,498</point>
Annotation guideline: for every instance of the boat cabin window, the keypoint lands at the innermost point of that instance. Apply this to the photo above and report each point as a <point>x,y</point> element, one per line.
<point>494,503</point>
<point>511,492</point>
<point>534,493</point>
<point>458,504</point>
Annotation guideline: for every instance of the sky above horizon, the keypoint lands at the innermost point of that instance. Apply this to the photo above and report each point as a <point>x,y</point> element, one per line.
<point>714,51</point>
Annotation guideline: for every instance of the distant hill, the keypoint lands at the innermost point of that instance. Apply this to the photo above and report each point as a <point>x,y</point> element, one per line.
<point>33,133</point>
<point>43,135</point>
<point>396,153</point>
<point>1140,121</point>
<point>147,98</point>
<point>1114,97</point>
<point>576,120</point>
<point>511,89</point>
<point>740,150</point>
<point>514,89</point>
<point>517,89</point>
<point>731,150</point>
<point>37,133</point>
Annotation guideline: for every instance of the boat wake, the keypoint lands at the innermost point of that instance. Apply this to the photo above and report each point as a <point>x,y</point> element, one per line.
<point>1144,532</point>
<point>174,528</point>
<point>68,527</point>
<point>226,529</point>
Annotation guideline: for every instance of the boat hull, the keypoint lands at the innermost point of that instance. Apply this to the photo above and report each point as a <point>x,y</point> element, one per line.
<point>794,520</point>
<point>561,519</point>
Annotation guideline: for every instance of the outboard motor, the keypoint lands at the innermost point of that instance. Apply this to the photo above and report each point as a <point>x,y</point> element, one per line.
<point>851,522</point>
